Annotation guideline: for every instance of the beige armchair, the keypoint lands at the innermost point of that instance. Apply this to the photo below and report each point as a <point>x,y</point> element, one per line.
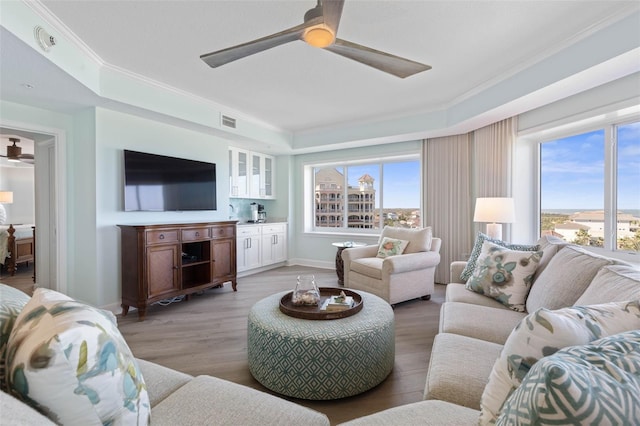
<point>396,278</point>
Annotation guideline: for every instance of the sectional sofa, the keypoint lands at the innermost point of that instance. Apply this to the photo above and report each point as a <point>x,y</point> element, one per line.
<point>485,351</point>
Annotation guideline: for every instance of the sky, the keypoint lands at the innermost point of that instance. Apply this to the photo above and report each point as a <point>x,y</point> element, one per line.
<point>402,183</point>
<point>572,171</point>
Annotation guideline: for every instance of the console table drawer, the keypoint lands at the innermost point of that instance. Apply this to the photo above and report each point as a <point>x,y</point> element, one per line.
<point>157,237</point>
<point>195,234</point>
<point>223,232</point>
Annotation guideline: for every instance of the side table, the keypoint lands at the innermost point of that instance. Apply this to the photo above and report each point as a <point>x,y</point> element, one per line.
<point>339,263</point>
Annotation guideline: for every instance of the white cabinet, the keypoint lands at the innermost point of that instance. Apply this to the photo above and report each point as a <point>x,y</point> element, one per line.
<point>251,174</point>
<point>239,169</point>
<point>261,245</point>
<point>274,243</point>
<point>248,251</point>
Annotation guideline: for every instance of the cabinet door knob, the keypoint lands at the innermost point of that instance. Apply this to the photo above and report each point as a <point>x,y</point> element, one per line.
<point>197,234</point>
<point>161,237</point>
<point>175,267</point>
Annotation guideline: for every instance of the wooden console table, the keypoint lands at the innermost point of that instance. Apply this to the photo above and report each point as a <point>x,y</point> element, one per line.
<point>164,261</point>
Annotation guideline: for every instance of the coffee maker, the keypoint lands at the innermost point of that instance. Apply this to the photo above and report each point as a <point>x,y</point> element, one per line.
<point>262,214</point>
<point>258,215</point>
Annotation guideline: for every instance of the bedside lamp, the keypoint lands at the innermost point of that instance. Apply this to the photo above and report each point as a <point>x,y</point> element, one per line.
<point>6,197</point>
<point>495,211</point>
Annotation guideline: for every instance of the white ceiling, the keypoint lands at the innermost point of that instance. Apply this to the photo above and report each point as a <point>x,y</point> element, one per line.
<point>471,45</point>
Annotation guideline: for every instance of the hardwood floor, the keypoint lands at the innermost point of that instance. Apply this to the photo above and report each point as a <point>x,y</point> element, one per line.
<point>208,335</point>
<point>23,279</point>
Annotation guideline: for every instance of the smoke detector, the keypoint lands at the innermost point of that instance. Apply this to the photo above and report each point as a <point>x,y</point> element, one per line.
<point>44,39</point>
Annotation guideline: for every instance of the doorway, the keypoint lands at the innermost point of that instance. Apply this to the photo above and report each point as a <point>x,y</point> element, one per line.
<point>49,201</point>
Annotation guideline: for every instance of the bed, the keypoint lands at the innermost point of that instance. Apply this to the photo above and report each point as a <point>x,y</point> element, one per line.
<point>17,245</point>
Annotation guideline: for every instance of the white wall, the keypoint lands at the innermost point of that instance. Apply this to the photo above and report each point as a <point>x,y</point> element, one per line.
<point>20,180</point>
<point>115,132</point>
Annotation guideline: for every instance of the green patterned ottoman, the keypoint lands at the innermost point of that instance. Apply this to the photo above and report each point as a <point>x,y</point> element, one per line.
<point>312,359</point>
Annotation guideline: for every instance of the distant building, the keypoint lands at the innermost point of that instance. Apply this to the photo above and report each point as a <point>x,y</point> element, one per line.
<point>330,202</point>
<point>593,223</point>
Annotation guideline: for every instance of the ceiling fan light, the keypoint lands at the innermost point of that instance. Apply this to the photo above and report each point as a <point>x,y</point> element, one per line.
<point>319,36</point>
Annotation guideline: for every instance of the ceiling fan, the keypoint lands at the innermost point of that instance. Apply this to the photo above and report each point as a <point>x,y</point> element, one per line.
<point>319,30</point>
<point>14,153</point>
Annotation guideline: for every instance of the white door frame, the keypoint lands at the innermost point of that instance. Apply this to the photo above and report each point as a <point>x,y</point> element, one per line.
<point>51,200</point>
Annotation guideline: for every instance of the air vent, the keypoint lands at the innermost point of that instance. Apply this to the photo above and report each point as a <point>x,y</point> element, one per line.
<point>228,121</point>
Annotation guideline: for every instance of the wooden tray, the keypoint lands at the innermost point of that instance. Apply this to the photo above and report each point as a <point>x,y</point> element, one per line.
<point>314,312</point>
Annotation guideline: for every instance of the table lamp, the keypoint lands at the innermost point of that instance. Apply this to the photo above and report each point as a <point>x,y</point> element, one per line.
<point>495,211</point>
<point>6,197</point>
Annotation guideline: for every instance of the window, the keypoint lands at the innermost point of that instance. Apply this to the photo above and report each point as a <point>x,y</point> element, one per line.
<point>366,196</point>
<point>590,187</point>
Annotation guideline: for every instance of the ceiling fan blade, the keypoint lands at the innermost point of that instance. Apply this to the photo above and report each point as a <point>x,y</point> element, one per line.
<point>386,62</point>
<point>230,54</point>
<point>331,12</point>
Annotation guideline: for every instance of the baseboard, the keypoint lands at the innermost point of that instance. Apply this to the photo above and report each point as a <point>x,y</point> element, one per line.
<point>312,263</point>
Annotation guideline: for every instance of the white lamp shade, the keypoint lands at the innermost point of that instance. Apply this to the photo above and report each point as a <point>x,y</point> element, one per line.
<point>495,210</point>
<point>6,197</point>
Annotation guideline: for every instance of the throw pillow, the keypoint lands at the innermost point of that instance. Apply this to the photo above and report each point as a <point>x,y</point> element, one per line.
<point>593,384</point>
<point>544,332</point>
<point>391,247</point>
<point>69,360</point>
<point>12,301</point>
<point>477,248</point>
<point>503,274</point>
<point>565,278</point>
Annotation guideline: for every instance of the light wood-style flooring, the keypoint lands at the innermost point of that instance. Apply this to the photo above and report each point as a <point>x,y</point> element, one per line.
<point>208,335</point>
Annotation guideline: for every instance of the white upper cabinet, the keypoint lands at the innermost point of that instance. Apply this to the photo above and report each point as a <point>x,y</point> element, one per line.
<point>251,174</point>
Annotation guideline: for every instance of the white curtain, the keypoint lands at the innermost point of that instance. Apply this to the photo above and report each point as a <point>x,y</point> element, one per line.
<point>447,198</point>
<point>493,150</point>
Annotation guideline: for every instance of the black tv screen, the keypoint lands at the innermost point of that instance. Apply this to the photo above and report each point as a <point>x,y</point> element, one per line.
<point>159,183</point>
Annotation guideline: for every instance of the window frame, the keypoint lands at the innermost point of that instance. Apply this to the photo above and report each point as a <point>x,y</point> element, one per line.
<point>610,126</point>
<point>309,193</point>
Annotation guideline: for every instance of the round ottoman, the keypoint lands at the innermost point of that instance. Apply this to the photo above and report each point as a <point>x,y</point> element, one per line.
<point>321,359</point>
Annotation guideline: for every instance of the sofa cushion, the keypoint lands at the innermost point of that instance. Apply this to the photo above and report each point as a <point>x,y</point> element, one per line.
<point>16,412</point>
<point>549,246</point>
<point>613,283</point>
<point>544,332</point>
<point>459,369</point>
<point>419,238</point>
<point>423,413</point>
<point>598,383</point>
<point>565,278</point>
<point>480,322</point>
<point>207,400</point>
<point>477,248</point>
<point>12,301</point>
<point>458,293</point>
<point>391,247</point>
<point>161,381</point>
<point>69,360</point>
<point>504,275</point>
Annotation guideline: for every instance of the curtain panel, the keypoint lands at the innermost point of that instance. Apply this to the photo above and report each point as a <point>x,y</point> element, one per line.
<point>447,199</point>
<point>457,170</point>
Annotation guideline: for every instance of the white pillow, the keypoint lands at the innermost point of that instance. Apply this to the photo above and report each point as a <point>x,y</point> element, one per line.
<point>543,333</point>
<point>69,360</point>
<point>505,275</point>
<point>391,247</point>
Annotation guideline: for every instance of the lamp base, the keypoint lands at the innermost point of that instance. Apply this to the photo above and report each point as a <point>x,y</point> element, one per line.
<point>3,214</point>
<point>494,230</point>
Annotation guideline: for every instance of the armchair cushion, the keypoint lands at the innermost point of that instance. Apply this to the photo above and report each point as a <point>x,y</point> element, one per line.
<point>391,247</point>
<point>418,239</point>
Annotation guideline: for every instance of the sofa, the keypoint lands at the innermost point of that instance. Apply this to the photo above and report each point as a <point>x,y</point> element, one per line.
<point>167,396</point>
<point>594,304</point>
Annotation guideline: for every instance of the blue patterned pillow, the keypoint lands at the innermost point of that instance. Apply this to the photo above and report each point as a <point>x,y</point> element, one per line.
<point>597,383</point>
<point>504,275</point>
<point>12,301</point>
<point>69,360</point>
<point>477,248</point>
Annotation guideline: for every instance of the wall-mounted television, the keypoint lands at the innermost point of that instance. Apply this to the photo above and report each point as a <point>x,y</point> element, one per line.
<point>160,183</point>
